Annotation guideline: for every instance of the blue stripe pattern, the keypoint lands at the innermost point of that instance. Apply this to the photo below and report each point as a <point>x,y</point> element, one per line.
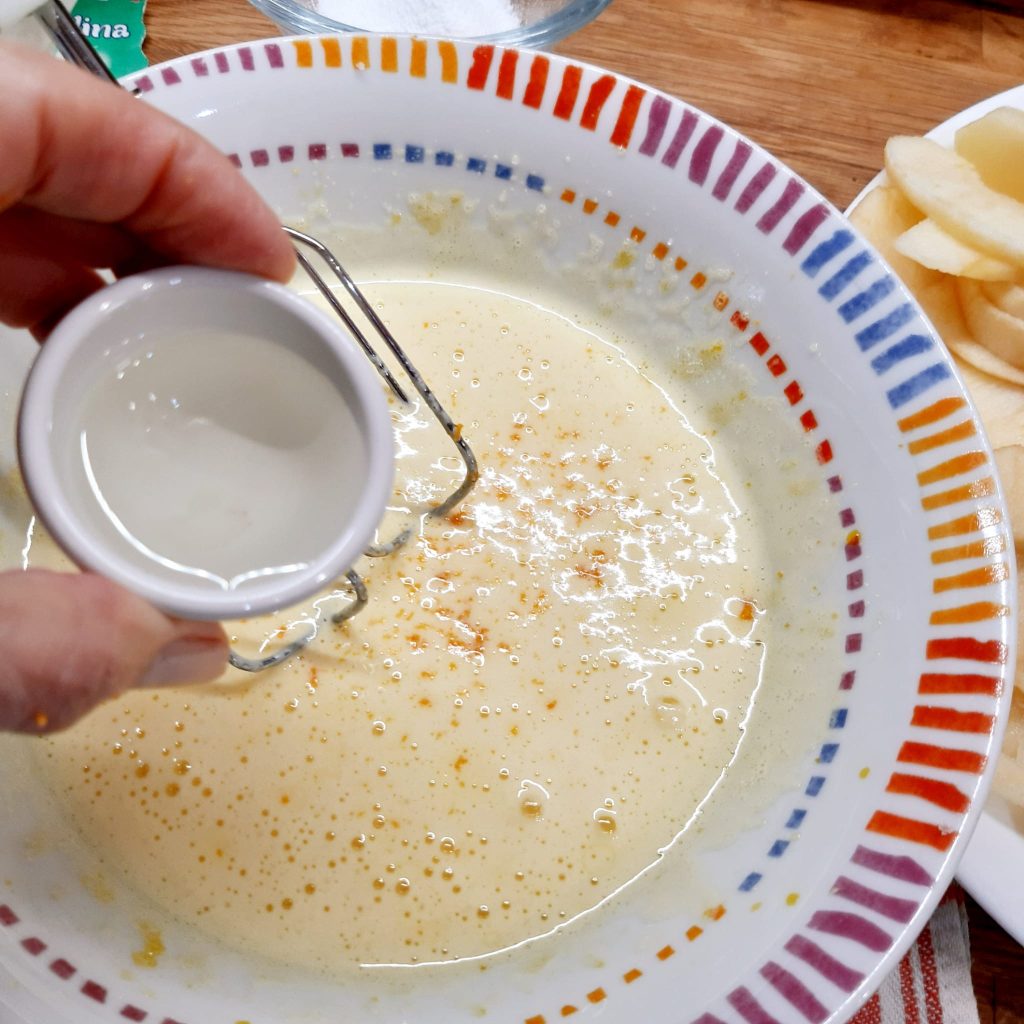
<point>826,251</point>
<point>796,819</point>
<point>885,328</point>
<point>837,282</point>
<point>867,299</point>
<point>912,345</point>
<point>841,272</point>
<point>917,384</point>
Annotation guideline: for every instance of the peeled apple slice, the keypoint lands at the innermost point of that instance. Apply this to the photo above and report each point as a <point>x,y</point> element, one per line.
<point>1007,296</point>
<point>946,188</point>
<point>926,243</point>
<point>992,327</point>
<point>994,144</point>
<point>1010,462</point>
<point>1001,405</point>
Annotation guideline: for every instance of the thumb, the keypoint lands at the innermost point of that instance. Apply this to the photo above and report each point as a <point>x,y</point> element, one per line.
<point>68,642</point>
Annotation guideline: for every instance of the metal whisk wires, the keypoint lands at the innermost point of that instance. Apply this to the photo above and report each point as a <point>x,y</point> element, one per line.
<point>356,585</point>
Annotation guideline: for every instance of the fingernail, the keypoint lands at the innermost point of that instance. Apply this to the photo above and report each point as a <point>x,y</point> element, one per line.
<point>188,660</point>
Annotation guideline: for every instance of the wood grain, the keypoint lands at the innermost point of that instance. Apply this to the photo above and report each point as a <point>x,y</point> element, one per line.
<point>820,83</point>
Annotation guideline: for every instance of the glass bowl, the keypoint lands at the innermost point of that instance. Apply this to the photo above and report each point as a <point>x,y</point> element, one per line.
<point>534,23</point>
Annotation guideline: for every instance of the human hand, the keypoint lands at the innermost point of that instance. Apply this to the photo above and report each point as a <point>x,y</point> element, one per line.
<point>93,178</point>
<point>68,642</point>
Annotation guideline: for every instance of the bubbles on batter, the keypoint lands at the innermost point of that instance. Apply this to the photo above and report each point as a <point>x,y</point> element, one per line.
<point>542,688</point>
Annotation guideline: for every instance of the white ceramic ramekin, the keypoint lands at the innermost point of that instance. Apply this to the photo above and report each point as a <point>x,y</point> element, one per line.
<point>182,299</point>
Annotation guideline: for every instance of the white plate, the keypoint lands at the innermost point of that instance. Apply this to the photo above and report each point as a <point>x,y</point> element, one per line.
<point>992,869</point>
<point>810,903</point>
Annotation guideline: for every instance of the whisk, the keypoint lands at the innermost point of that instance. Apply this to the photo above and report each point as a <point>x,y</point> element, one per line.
<point>75,47</point>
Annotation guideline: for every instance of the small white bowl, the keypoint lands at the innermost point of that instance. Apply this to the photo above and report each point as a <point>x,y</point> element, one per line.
<point>128,324</point>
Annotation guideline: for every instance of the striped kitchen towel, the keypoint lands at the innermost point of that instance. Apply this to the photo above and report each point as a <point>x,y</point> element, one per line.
<point>932,984</point>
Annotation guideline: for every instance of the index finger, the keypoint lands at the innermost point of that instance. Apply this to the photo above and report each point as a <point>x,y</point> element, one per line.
<point>81,148</point>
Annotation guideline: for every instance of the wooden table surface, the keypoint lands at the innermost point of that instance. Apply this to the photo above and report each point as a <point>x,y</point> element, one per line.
<point>820,83</point>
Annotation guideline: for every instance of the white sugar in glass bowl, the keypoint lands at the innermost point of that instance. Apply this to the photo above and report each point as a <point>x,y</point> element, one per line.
<point>532,23</point>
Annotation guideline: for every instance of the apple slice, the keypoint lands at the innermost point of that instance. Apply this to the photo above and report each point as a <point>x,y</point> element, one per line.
<point>926,243</point>
<point>946,188</point>
<point>994,144</point>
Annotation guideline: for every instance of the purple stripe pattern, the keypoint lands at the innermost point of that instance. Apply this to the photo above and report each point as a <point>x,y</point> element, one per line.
<point>757,184</point>
<point>888,906</point>
<point>794,991</point>
<point>273,52</point>
<point>681,138</point>
<point>741,1000</point>
<point>904,868</point>
<point>726,180</point>
<point>790,194</point>
<point>657,119</point>
<point>851,926</point>
<point>704,153</point>
<point>805,226</point>
<point>825,964</point>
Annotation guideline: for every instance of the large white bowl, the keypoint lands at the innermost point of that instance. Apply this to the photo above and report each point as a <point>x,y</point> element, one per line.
<point>816,899</point>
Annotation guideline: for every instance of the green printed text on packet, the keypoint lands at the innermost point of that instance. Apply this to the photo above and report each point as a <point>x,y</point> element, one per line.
<point>116,31</point>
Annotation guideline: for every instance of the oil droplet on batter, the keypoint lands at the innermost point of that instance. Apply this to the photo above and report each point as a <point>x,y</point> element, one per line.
<point>152,947</point>
<point>482,911</point>
<point>402,886</point>
<point>605,819</point>
<point>379,728</point>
